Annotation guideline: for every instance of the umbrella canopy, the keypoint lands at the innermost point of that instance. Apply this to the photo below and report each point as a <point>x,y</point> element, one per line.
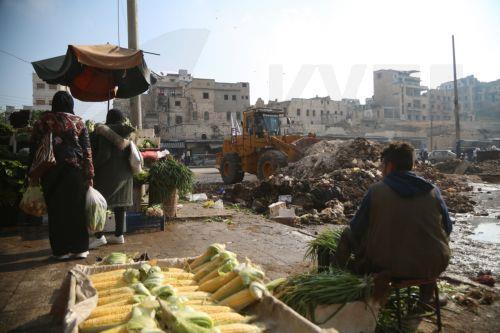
<point>97,73</point>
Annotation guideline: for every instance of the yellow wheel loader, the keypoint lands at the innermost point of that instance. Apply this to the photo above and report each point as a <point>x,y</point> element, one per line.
<point>261,148</point>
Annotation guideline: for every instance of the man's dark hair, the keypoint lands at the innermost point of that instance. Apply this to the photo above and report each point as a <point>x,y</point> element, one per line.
<point>62,102</point>
<point>400,154</point>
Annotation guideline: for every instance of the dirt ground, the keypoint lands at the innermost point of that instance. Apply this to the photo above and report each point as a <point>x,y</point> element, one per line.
<point>30,279</point>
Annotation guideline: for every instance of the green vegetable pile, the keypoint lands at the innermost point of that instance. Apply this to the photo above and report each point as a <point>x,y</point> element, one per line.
<point>323,245</point>
<point>148,144</point>
<point>166,176</point>
<point>304,292</point>
<point>141,178</point>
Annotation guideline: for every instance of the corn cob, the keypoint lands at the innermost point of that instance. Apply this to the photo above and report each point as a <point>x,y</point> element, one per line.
<point>209,253</point>
<point>195,295</point>
<point>228,289</point>
<point>119,303</point>
<point>186,288</point>
<point>216,283</point>
<point>215,263</point>
<point>110,284</point>
<point>175,282</point>
<point>115,291</point>
<point>178,275</point>
<point>201,267</point>
<point>238,328</point>
<point>222,318</point>
<point>211,308</point>
<point>104,322</point>
<point>199,302</point>
<point>101,275</point>
<point>104,311</point>
<point>245,297</point>
<point>117,329</point>
<point>114,298</point>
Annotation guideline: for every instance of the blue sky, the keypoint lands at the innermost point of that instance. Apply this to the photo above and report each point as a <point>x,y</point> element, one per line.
<point>283,48</point>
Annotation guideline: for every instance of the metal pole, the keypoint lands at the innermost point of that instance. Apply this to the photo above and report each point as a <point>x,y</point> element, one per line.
<point>456,109</point>
<point>432,118</point>
<point>135,102</point>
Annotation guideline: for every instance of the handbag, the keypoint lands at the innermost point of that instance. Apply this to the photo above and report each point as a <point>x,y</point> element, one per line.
<point>44,158</point>
<point>135,158</point>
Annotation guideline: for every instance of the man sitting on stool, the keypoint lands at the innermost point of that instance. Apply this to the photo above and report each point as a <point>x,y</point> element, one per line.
<point>402,226</point>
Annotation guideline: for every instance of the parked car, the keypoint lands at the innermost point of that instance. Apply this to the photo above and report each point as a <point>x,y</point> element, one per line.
<point>441,156</point>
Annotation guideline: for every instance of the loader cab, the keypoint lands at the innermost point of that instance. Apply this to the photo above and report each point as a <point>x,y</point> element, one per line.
<point>262,122</point>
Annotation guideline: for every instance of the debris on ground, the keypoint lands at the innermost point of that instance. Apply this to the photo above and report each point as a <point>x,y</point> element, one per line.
<point>485,277</point>
<point>328,184</point>
<point>484,167</point>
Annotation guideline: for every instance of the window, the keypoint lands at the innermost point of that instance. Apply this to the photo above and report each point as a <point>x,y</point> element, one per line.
<point>379,75</point>
<point>40,102</point>
<point>335,112</point>
<point>234,97</point>
<point>242,97</point>
<point>50,102</point>
<point>40,86</point>
<point>409,105</point>
<point>177,103</point>
<point>307,112</point>
<point>228,116</point>
<point>206,95</point>
<point>52,86</point>
<point>341,113</point>
<point>178,120</point>
<point>172,80</point>
<point>238,116</point>
<point>246,97</point>
<point>206,115</point>
<point>195,115</point>
<point>322,112</point>
<point>203,136</point>
<point>314,113</point>
<point>244,85</point>
<point>226,97</point>
<point>298,112</point>
<point>328,112</point>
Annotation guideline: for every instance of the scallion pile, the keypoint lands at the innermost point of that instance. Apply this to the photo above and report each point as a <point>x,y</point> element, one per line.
<point>304,292</point>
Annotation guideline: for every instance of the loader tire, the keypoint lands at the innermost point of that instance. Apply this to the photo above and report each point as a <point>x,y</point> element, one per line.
<point>269,162</point>
<point>230,169</point>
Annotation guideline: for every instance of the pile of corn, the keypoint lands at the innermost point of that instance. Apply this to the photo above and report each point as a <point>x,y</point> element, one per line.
<point>205,297</point>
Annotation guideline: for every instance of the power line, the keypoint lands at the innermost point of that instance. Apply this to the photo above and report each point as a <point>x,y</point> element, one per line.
<point>13,55</point>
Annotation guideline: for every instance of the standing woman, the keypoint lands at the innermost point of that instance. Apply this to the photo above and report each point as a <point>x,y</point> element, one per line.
<point>65,184</point>
<point>113,174</point>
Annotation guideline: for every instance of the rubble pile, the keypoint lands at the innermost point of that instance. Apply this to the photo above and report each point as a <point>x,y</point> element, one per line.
<point>452,188</point>
<point>329,183</point>
<point>485,167</point>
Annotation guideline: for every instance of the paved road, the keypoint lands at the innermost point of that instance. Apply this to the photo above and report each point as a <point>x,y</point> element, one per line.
<point>212,175</point>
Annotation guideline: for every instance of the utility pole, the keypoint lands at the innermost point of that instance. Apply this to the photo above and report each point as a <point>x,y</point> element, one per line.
<point>456,108</point>
<point>133,43</point>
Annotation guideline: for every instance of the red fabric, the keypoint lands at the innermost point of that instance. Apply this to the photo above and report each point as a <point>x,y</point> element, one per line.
<point>93,85</point>
<point>153,155</point>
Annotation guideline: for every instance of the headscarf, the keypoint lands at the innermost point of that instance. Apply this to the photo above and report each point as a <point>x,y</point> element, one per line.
<point>62,102</point>
<point>114,116</point>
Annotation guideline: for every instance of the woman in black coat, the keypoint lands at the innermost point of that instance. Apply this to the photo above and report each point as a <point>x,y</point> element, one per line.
<point>65,185</point>
<point>113,174</point>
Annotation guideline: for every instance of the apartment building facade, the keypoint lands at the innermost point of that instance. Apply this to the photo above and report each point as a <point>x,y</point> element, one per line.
<point>400,95</point>
<point>43,93</point>
<point>181,107</point>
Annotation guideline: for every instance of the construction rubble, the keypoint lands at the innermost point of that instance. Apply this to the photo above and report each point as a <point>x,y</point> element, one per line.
<point>327,185</point>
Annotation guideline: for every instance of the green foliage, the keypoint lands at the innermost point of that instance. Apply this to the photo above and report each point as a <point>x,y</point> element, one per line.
<point>141,178</point>
<point>168,175</point>
<point>5,129</point>
<point>90,124</point>
<point>12,175</point>
<point>303,292</point>
<point>326,241</point>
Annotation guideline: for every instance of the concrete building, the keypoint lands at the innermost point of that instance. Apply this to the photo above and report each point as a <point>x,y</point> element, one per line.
<point>181,107</point>
<point>43,93</point>
<point>399,94</point>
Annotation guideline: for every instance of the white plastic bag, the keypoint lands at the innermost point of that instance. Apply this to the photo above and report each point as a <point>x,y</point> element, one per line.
<point>33,202</point>
<point>135,158</point>
<point>95,210</point>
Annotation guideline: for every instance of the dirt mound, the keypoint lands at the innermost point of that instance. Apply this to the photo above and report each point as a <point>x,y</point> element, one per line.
<point>327,156</point>
<point>329,183</point>
<point>485,167</point>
